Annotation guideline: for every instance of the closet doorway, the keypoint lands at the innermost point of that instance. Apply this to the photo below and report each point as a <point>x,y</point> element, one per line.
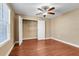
<point>29,29</point>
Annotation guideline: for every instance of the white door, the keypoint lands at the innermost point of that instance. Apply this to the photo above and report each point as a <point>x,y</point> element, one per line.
<point>41,29</point>
<point>20,31</point>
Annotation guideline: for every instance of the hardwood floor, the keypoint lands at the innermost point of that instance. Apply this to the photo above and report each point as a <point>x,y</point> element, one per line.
<point>48,47</point>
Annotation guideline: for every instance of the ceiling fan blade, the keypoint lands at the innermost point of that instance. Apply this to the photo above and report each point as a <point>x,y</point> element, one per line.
<point>39,13</point>
<point>51,8</point>
<point>40,9</point>
<point>51,13</point>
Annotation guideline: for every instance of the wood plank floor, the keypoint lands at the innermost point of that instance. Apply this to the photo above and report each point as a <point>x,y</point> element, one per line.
<point>48,47</point>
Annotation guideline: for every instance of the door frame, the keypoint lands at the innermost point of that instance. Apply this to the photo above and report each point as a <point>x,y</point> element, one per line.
<point>20,30</point>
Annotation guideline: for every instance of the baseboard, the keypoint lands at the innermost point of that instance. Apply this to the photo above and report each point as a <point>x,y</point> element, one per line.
<point>44,39</point>
<point>35,38</point>
<point>16,42</point>
<point>9,51</point>
<point>48,38</point>
<point>29,38</point>
<point>74,45</point>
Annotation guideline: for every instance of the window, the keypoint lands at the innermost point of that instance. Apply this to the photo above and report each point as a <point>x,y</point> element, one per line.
<point>4,23</point>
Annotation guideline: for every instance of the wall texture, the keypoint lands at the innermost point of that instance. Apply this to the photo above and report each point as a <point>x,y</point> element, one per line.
<point>66,27</point>
<point>29,29</point>
<point>4,50</point>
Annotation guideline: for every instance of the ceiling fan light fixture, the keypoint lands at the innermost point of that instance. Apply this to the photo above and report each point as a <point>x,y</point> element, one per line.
<point>44,15</point>
<point>45,10</point>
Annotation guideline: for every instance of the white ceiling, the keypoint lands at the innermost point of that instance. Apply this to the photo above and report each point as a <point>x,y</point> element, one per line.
<point>30,9</point>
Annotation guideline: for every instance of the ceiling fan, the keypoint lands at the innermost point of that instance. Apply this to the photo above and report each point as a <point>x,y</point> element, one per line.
<point>45,10</point>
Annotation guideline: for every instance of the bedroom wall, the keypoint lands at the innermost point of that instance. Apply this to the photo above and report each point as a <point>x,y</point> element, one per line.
<point>65,27</point>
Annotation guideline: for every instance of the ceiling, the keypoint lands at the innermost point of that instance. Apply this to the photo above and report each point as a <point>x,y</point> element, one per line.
<point>30,9</point>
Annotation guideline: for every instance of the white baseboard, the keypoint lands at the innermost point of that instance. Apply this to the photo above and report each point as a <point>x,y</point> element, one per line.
<point>43,38</point>
<point>35,38</point>
<point>16,42</point>
<point>29,38</point>
<point>77,46</point>
<point>47,38</point>
<point>9,51</point>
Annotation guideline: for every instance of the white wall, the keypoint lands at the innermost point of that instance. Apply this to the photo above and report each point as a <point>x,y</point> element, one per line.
<point>41,29</point>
